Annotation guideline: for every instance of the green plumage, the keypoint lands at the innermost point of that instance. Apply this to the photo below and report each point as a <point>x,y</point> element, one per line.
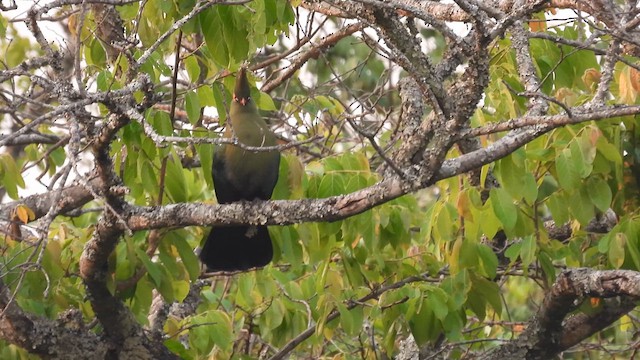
<point>240,174</point>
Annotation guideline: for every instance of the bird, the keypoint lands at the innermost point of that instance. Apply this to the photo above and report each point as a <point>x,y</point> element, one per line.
<point>242,175</point>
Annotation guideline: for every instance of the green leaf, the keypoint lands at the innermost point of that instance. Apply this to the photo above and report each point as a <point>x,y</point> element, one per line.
<point>95,53</point>
<point>234,31</point>
<point>192,104</point>
<point>616,250</point>
<point>609,151</point>
<point>489,291</point>
<point>515,178</point>
<point>161,123</point>
<point>180,289</point>
<point>547,266</point>
<point>489,223</point>
<point>174,181</point>
<point>513,251</point>
<point>424,325</point>
<point>205,95</point>
<point>463,255</point>
<point>205,152</point>
<point>504,207</point>
<point>599,193</point>
<point>581,163</point>
<point>352,270</point>
<point>548,186</point>
<point>438,300</point>
<point>274,317</point>
<point>453,325</point>
<point>489,260</point>
<point>212,28</point>
<point>632,231</point>
<point>217,327</point>
<point>10,176</point>
<point>287,240</point>
<point>150,183</point>
<point>265,102</point>
<point>568,176</point>
<point>446,223</point>
<point>331,184</point>
<point>282,189</point>
<point>221,102</point>
<point>189,258</point>
<point>152,268</point>
<point>246,297</point>
<point>346,320</point>
<point>528,250</point>
<point>457,287</point>
<point>581,206</point>
<point>193,68</point>
<point>557,204</point>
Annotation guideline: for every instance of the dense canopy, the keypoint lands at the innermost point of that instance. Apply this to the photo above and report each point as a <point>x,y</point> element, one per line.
<point>458,180</point>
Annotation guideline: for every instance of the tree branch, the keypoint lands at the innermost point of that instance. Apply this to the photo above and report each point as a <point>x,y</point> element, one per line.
<point>47,338</point>
<point>548,333</point>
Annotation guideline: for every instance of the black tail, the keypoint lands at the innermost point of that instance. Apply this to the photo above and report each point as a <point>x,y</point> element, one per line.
<point>232,248</point>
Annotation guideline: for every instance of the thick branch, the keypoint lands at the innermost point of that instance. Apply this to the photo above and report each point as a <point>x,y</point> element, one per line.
<point>44,337</point>
<point>69,199</point>
<point>548,333</point>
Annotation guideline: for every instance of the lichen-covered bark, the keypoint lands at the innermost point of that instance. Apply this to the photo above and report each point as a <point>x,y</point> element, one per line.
<point>553,330</point>
<point>438,99</point>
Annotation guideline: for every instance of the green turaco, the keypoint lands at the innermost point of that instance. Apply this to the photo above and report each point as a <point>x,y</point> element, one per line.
<point>240,174</point>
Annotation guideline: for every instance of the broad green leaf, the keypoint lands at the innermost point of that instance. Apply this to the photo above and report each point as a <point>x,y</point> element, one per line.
<point>331,184</point>
<point>221,102</point>
<point>152,268</point>
<point>616,250</point>
<point>488,260</point>
<point>161,123</point>
<point>174,181</point>
<point>548,186</point>
<point>149,180</point>
<point>212,29</point>
<point>503,207</point>
<point>599,193</point>
<point>438,301</point>
<point>568,176</point>
<point>515,178</point>
<point>453,325</point>
<point>609,151</point>
<point>95,53</point>
<point>424,325</point>
<point>192,104</point>
<point>10,176</point>
<point>581,206</point>
<point>265,102</point>
<point>193,68</point>
<point>582,163</point>
<point>205,95</point>
<point>205,153</point>
<point>528,250</point>
<point>488,290</point>
<point>557,204</point>
<point>632,233</point>
<point>189,258</point>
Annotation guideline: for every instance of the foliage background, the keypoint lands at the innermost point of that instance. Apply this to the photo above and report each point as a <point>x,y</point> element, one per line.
<point>446,233</point>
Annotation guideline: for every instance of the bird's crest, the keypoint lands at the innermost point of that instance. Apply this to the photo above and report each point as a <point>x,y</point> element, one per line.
<point>242,91</point>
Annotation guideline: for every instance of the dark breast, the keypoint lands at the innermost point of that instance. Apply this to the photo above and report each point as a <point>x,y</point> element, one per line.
<point>244,175</point>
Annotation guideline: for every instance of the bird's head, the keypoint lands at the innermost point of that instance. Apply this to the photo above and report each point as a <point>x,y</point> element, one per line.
<point>242,92</point>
